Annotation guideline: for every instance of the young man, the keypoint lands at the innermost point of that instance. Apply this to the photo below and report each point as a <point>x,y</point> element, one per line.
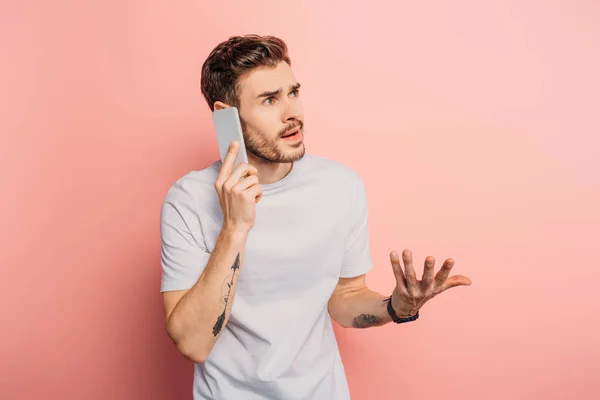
<point>254,269</point>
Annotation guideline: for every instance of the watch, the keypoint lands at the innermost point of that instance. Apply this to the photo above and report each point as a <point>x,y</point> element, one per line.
<point>395,316</point>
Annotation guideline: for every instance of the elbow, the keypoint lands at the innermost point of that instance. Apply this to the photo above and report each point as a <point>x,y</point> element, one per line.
<point>195,356</point>
<point>341,311</point>
<point>343,323</point>
<point>187,346</point>
<point>337,320</point>
<point>192,351</point>
<point>334,314</point>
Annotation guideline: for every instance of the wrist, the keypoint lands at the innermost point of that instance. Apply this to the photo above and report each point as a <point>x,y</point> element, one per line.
<point>404,315</point>
<point>233,234</point>
<point>402,312</point>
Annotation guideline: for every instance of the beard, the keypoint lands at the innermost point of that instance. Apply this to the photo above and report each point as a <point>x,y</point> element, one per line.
<point>269,149</point>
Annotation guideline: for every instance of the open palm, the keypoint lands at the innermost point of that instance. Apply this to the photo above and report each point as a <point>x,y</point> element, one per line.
<point>410,293</point>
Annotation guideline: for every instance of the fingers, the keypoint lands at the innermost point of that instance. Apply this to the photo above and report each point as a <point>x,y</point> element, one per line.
<point>456,280</point>
<point>427,280</point>
<point>239,175</point>
<point>443,273</point>
<point>397,268</point>
<point>430,285</point>
<point>254,192</point>
<point>225,171</point>
<point>241,171</point>
<point>440,281</point>
<point>250,187</point>
<point>408,277</point>
<point>443,282</point>
<point>244,183</point>
<point>409,271</point>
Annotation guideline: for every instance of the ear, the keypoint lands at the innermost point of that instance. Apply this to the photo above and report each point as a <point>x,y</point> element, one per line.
<point>219,105</point>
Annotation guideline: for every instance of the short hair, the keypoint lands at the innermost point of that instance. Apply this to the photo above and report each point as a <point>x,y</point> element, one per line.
<point>234,58</point>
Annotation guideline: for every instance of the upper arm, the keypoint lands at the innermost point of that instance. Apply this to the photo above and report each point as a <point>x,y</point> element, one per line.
<point>348,285</point>
<point>183,254</point>
<point>357,253</point>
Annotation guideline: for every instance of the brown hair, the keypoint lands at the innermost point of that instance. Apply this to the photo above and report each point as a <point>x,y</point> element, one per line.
<point>232,59</point>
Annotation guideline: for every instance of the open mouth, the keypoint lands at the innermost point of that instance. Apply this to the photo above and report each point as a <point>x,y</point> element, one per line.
<point>292,133</point>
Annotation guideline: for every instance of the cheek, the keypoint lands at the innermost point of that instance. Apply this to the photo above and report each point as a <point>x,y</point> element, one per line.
<point>268,123</point>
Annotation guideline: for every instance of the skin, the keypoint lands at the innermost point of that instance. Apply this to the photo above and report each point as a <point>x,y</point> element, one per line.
<point>354,305</point>
<point>196,317</point>
<point>265,119</point>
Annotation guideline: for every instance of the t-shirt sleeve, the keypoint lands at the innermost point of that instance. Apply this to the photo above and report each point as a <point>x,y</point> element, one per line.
<point>357,256</point>
<point>183,253</point>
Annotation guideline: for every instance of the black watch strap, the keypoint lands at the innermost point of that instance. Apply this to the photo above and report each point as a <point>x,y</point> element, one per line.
<point>395,316</point>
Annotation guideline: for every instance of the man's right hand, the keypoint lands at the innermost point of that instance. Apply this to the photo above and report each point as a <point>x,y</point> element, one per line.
<point>196,317</point>
<point>237,196</point>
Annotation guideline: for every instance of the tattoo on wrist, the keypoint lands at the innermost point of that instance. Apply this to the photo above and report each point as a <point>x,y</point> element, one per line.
<point>219,324</point>
<point>366,321</point>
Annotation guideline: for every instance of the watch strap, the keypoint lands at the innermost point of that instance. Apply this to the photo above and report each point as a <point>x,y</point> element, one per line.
<point>395,317</point>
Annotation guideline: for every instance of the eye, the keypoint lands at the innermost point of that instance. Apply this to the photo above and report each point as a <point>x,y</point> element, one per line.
<point>269,99</point>
<point>295,92</point>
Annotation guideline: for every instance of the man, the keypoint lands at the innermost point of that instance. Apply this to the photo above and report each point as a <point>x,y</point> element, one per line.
<point>254,269</point>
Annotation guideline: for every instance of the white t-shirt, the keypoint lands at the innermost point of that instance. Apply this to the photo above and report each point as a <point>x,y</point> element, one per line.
<point>311,229</point>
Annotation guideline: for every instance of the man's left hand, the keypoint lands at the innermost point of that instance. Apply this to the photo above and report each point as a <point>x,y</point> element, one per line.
<point>410,294</point>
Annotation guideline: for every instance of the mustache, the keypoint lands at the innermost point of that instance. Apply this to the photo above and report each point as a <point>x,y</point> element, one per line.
<point>291,127</point>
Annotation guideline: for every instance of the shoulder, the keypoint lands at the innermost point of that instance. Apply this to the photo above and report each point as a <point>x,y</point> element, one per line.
<point>333,169</point>
<point>193,187</point>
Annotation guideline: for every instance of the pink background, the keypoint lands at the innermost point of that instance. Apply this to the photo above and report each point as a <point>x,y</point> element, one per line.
<point>474,125</point>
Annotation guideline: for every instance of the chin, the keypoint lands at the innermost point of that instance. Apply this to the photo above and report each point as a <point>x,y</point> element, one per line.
<point>298,154</point>
<point>290,155</point>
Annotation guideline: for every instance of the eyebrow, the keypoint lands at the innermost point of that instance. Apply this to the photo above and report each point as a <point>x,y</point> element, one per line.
<point>278,91</point>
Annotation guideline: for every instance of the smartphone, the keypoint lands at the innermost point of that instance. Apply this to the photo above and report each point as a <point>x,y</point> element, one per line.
<point>228,128</point>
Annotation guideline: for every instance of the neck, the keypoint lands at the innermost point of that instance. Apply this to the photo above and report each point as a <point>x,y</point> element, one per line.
<point>269,172</point>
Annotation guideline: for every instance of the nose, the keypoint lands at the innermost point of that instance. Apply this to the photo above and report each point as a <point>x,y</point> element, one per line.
<point>293,110</point>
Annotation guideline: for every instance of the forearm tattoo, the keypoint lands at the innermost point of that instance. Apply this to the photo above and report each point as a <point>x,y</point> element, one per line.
<point>219,324</point>
<point>366,321</point>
